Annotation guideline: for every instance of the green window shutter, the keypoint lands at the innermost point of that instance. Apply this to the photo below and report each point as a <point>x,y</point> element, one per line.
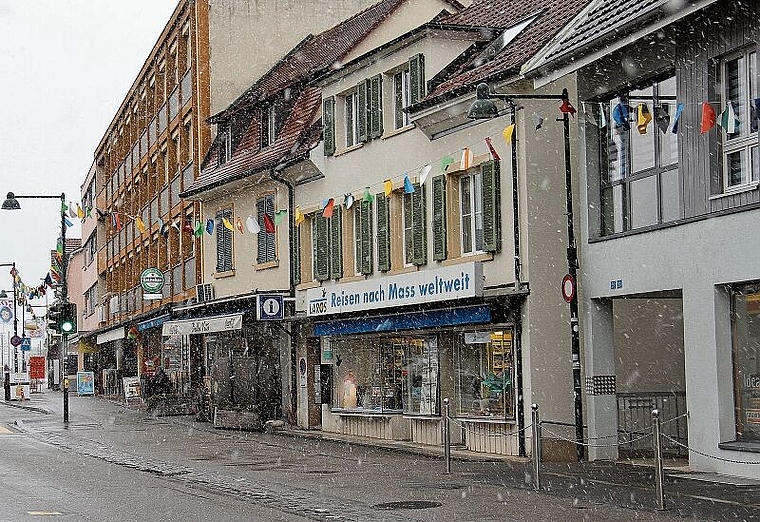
<point>223,242</point>
<point>295,255</point>
<point>417,78</point>
<point>336,244</point>
<point>439,218</point>
<point>419,221</point>
<point>328,119</point>
<point>375,107</point>
<point>322,242</point>
<point>491,224</point>
<point>366,239</point>
<point>383,233</point>
<point>362,116</point>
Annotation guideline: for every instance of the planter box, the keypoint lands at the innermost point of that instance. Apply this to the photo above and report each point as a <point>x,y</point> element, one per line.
<point>236,420</point>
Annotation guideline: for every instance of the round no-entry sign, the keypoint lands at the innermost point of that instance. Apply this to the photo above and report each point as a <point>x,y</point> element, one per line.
<point>568,288</point>
<point>15,340</point>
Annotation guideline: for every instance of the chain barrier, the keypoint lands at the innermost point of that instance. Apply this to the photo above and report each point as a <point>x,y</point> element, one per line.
<point>674,418</point>
<point>469,429</point>
<point>588,445</point>
<point>686,447</point>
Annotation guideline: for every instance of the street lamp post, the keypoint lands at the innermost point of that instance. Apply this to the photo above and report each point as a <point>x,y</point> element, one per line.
<point>6,375</point>
<point>11,203</point>
<point>484,108</point>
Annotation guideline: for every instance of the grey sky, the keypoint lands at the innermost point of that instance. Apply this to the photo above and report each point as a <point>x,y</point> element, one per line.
<point>65,66</point>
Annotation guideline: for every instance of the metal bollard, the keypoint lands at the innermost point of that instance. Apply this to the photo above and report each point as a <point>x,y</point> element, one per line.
<point>446,436</point>
<point>66,401</point>
<point>536,445</point>
<point>658,470</point>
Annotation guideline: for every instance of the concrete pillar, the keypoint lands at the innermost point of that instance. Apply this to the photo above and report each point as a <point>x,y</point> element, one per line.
<point>601,402</point>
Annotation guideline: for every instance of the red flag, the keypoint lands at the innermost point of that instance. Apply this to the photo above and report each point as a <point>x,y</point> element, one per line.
<point>327,212</point>
<point>567,107</point>
<point>494,154</point>
<point>708,118</point>
<point>268,224</point>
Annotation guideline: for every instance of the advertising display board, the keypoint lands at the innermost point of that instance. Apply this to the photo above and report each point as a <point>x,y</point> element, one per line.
<point>85,383</point>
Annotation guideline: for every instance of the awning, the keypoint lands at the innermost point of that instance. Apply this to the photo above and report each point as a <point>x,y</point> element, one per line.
<point>111,335</point>
<point>152,323</point>
<point>201,325</point>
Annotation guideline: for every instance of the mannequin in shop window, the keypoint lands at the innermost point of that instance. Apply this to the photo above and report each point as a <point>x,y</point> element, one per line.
<point>349,391</point>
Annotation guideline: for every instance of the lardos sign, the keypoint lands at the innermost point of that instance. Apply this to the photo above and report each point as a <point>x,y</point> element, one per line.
<point>425,286</point>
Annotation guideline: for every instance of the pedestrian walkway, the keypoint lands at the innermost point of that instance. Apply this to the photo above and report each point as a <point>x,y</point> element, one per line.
<point>187,447</point>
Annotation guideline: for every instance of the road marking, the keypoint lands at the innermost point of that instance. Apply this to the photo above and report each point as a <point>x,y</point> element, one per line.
<point>5,431</point>
<point>43,513</point>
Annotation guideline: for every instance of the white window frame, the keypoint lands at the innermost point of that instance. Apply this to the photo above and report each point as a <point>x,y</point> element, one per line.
<point>357,231</point>
<point>398,110</point>
<point>745,141</point>
<point>271,125</point>
<point>351,111</point>
<point>475,179</point>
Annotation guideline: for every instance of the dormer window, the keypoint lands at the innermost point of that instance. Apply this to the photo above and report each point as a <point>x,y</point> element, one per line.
<point>268,126</point>
<point>225,144</point>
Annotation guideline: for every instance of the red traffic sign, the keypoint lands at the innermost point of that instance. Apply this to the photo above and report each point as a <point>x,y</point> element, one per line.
<point>568,288</point>
<point>15,340</point>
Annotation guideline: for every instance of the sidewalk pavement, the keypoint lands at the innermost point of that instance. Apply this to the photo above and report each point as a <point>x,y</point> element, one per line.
<point>627,484</point>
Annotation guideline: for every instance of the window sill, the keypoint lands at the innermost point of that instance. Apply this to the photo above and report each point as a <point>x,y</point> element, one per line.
<point>736,190</point>
<point>222,275</point>
<point>406,270</point>
<point>467,258</point>
<point>396,132</point>
<point>267,265</point>
<point>486,420</point>
<point>307,285</point>
<point>353,278</point>
<point>366,413</point>
<point>419,416</point>
<point>736,445</point>
<point>348,149</point>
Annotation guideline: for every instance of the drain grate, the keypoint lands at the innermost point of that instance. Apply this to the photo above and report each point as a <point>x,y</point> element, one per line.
<point>407,504</point>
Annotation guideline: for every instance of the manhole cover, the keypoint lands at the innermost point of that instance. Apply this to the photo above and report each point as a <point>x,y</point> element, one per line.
<point>408,504</point>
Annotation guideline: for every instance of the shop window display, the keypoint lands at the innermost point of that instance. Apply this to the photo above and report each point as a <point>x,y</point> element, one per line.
<point>746,359</point>
<point>484,374</point>
<point>388,374</point>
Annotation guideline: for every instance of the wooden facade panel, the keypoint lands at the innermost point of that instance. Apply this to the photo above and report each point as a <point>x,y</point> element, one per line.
<point>499,439</point>
<point>427,431</point>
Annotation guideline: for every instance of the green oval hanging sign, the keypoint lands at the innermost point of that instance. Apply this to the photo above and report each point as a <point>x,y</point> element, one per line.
<point>152,280</point>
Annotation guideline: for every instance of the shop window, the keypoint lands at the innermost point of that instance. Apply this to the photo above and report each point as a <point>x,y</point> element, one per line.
<point>639,184</point>
<point>745,318</point>
<point>741,155</point>
<point>484,374</point>
<point>387,374</point>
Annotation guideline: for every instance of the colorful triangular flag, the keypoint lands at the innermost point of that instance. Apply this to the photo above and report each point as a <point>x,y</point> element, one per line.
<point>209,226</point>
<point>708,118</point>
<point>662,118</point>
<point>602,116</point>
<point>387,187</point>
<point>728,120</point>
<point>408,187</point>
<point>279,216</point>
<point>567,107</point>
<point>252,225</point>
<point>327,211</point>
<point>676,118</point>
<point>446,162</point>
<point>368,197</point>
<point>620,116</point>
<point>68,223</point>
<point>198,230</point>
<point>268,224</point>
<point>227,224</point>
<point>466,161</point>
<point>424,171</point>
<point>140,225</point>
<point>538,121</point>
<point>72,210</point>
<point>64,208</point>
<point>492,150</point>
<point>239,225</point>
<point>348,200</point>
<point>643,117</point>
<point>508,132</point>
<point>300,217</point>
<point>80,212</point>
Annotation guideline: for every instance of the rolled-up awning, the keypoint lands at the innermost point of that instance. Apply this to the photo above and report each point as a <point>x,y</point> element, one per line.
<point>111,335</point>
<point>201,325</point>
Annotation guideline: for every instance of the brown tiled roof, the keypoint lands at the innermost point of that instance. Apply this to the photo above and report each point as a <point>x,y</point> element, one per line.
<point>294,140</point>
<point>551,15</point>
<point>315,54</point>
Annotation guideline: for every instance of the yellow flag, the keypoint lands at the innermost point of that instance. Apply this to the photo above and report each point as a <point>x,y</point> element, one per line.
<point>140,224</point>
<point>227,224</point>
<point>388,187</point>
<point>507,133</point>
<point>299,216</point>
<point>80,212</point>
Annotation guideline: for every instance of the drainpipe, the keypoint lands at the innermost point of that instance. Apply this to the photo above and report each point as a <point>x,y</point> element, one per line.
<point>275,175</point>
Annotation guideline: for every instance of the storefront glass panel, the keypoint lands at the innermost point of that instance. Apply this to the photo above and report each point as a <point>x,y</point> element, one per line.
<point>385,374</point>
<point>746,360</point>
<point>484,374</point>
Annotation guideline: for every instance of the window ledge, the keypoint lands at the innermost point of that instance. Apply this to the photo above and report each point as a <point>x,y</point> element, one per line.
<point>222,275</point>
<point>419,416</point>
<point>736,445</point>
<point>265,266</point>
<point>486,420</point>
<point>366,413</point>
<point>307,285</point>
<point>352,278</point>
<point>483,256</point>
<point>396,132</point>
<point>736,190</point>
<point>348,149</point>
<point>406,270</point>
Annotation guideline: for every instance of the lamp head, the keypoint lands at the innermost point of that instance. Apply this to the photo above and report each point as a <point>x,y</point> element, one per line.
<point>3,294</point>
<point>483,107</point>
<point>11,203</point>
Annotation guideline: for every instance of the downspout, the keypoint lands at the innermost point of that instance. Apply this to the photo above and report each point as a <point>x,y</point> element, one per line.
<point>518,287</point>
<point>275,175</point>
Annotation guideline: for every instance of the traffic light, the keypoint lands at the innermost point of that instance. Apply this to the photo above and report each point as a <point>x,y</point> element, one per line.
<point>68,320</point>
<point>54,314</point>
